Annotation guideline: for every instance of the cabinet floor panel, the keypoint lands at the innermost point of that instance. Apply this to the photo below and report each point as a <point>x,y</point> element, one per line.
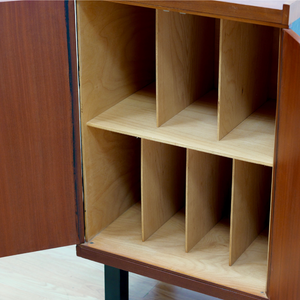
<point>195,127</point>
<point>208,260</point>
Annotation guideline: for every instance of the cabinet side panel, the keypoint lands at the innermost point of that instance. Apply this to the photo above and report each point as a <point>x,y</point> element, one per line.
<point>38,95</point>
<point>284,260</point>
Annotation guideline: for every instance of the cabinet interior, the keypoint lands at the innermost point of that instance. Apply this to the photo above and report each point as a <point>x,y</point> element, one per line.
<point>178,125</point>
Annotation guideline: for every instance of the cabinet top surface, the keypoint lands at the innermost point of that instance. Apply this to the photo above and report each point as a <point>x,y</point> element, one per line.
<point>278,13</point>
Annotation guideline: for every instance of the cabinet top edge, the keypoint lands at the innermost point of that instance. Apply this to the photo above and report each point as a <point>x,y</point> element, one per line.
<point>278,13</point>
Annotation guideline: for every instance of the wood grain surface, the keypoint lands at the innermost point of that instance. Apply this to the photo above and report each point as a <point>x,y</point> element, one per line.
<point>163,184</point>
<point>184,61</point>
<point>205,268</point>
<point>114,179</point>
<point>250,207</point>
<point>272,13</point>
<point>39,168</point>
<point>245,65</point>
<point>116,58</point>
<point>284,260</point>
<point>208,188</point>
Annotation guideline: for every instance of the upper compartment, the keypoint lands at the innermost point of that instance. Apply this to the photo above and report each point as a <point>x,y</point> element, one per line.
<point>116,45</point>
<point>126,90</point>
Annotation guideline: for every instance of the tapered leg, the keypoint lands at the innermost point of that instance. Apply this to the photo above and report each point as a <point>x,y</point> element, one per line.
<point>116,284</point>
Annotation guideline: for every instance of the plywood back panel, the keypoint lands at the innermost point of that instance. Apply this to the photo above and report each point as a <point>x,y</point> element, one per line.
<point>185,60</point>
<point>245,68</point>
<point>208,188</point>
<point>163,184</point>
<point>251,192</point>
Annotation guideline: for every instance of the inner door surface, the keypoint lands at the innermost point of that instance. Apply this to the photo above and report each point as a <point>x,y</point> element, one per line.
<point>40,177</point>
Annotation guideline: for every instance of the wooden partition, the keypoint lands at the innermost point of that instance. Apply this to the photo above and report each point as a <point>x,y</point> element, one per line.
<point>245,78</point>
<point>251,191</point>
<point>208,187</point>
<point>163,184</point>
<point>185,61</point>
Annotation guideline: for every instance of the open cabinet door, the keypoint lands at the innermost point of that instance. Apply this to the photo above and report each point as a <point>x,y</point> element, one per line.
<point>40,177</point>
<point>284,263</point>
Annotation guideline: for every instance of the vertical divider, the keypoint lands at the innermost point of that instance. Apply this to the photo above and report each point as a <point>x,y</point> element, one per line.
<point>250,205</point>
<point>245,68</point>
<point>163,184</point>
<point>208,187</point>
<point>184,61</point>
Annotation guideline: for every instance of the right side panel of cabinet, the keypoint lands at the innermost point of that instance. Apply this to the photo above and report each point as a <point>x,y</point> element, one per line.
<point>284,259</point>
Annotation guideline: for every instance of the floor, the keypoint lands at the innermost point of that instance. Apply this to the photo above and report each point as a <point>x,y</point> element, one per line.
<point>58,274</point>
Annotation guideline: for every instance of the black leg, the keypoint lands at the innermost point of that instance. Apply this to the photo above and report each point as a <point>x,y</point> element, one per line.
<point>116,284</point>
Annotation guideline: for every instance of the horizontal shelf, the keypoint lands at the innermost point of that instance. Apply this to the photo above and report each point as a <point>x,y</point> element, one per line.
<point>208,260</point>
<point>195,127</point>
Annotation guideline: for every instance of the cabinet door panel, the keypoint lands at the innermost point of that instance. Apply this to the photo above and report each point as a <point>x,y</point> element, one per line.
<point>284,266</point>
<point>40,180</point>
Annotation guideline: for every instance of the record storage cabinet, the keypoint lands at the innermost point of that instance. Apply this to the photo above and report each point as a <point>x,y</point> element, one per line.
<point>178,118</point>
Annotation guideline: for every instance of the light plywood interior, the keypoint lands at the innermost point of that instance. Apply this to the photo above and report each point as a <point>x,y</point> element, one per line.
<point>245,78</point>
<point>163,184</point>
<point>184,61</point>
<point>208,189</point>
<point>115,185</point>
<point>208,260</point>
<point>250,206</point>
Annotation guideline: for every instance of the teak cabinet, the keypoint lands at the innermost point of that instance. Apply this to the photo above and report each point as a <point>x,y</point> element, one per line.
<point>189,117</point>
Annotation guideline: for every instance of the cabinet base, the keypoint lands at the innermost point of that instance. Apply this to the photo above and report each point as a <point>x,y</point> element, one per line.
<point>164,275</point>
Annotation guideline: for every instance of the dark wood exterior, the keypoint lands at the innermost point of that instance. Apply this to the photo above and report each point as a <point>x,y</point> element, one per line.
<point>284,264</point>
<point>40,178</point>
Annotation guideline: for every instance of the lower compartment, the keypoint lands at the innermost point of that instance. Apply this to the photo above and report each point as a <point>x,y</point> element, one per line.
<point>207,261</point>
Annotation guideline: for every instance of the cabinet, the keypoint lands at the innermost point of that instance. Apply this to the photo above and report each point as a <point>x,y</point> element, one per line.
<point>178,110</point>
<point>189,114</point>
